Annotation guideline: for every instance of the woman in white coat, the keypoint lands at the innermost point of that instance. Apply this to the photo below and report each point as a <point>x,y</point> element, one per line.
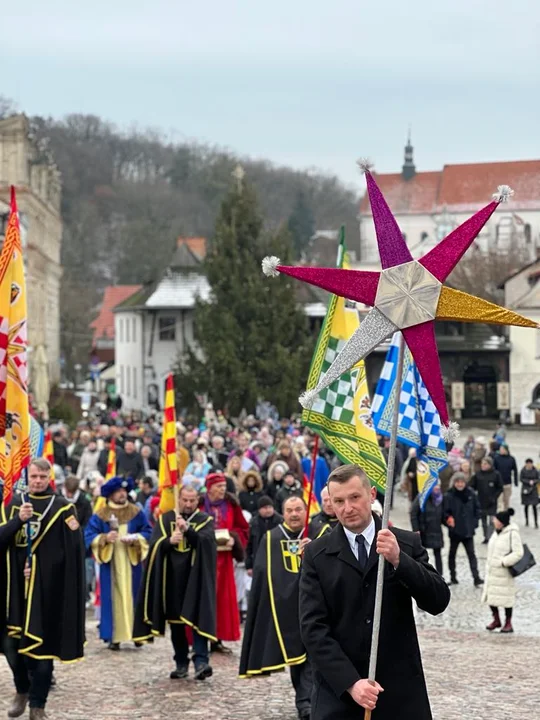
<point>504,550</point>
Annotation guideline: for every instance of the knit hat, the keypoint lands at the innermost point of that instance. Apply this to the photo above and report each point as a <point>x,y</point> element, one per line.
<point>117,483</point>
<point>265,501</point>
<point>214,479</point>
<point>504,516</point>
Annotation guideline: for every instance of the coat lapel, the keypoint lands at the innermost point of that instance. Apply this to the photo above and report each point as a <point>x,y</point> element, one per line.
<point>339,545</point>
<point>373,558</point>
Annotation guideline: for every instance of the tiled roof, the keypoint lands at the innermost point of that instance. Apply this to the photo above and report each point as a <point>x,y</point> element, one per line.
<point>179,290</point>
<point>103,325</point>
<point>460,187</point>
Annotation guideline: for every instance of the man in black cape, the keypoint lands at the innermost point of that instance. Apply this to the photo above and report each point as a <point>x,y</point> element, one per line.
<point>179,584</point>
<point>272,634</point>
<point>45,597</point>
<point>324,521</point>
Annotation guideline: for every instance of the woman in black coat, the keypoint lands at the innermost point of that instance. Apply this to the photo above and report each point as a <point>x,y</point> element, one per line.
<point>428,523</point>
<point>489,485</point>
<point>529,478</point>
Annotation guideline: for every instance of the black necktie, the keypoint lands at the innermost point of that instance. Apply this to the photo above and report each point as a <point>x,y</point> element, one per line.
<point>362,552</point>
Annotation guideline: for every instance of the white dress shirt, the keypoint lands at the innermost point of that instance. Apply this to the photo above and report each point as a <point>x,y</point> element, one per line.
<point>368,535</point>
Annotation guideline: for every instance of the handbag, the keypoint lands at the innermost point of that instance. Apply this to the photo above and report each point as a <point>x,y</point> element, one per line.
<point>526,562</point>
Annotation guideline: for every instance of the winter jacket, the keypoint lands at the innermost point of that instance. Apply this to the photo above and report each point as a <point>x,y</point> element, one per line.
<point>506,465</point>
<point>286,492</point>
<point>249,497</point>
<point>428,522</point>
<point>464,507</point>
<point>504,550</point>
<point>88,463</point>
<point>529,486</point>
<point>258,528</point>
<point>488,484</point>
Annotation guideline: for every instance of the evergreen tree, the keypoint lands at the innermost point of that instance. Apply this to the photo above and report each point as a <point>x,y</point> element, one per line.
<point>301,224</point>
<point>253,340</point>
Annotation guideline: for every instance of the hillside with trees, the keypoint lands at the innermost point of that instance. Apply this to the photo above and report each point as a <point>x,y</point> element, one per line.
<point>128,195</point>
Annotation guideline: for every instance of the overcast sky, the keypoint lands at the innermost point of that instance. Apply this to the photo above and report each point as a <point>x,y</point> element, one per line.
<point>307,83</point>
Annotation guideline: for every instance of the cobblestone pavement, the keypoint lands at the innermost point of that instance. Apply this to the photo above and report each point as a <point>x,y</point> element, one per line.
<point>470,673</point>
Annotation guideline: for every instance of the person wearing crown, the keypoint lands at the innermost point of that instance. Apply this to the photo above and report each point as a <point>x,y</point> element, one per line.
<point>232,533</point>
<point>118,535</point>
<point>272,635</point>
<point>179,584</point>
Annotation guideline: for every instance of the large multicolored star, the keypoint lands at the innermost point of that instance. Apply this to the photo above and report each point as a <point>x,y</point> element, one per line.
<point>407,295</point>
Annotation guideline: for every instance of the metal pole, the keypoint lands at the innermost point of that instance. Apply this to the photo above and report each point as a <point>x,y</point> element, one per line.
<point>385,516</point>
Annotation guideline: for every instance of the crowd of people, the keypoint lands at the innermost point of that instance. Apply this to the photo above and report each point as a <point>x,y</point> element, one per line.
<point>231,550</point>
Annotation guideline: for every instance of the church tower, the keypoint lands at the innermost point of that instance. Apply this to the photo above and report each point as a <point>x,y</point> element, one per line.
<point>409,170</point>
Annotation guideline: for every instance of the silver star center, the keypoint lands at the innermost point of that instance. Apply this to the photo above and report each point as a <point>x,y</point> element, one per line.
<point>408,294</point>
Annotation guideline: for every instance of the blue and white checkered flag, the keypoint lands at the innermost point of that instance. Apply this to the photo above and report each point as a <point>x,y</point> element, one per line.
<point>419,424</point>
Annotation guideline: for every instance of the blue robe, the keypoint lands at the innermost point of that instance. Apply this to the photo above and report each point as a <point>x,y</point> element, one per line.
<point>97,527</point>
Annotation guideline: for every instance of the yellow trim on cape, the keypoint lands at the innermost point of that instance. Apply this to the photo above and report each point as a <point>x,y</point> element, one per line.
<point>37,640</point>
<point>274,668</point>
<point>149,570</point>
<point>63,509</point>
<point>288,661</point>
<point>323,530</point>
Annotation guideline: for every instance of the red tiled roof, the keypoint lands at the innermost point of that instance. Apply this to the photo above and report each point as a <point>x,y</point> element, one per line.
<point>103,325</point>
<point>461,187</point>
<point>195,244</point>
<point>417,195</point>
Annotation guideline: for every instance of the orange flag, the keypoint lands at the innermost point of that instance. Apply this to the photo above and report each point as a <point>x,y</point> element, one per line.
<point>168,464</point>
<point>14,414</point>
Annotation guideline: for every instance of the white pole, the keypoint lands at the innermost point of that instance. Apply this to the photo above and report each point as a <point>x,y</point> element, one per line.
<point>385,516</point>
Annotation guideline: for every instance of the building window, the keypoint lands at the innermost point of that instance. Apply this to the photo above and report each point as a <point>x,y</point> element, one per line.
<point>128,381</point>
<point>127,329</point>
<point>121,378</point>
<point>134,383</point>
<point>167,328</point>
<point>134,333</point>
<point>121,330</point>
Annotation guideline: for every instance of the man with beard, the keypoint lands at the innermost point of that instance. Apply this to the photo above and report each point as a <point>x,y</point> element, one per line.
<point>118,535</point>
<point>232,531</point>
<point>324,521</point>
<point>272,636</point>
<point>45,591</point>
<point>179,584</point>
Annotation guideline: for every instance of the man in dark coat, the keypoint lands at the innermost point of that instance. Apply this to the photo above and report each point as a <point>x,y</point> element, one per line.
<point>428,523</point>
<point>128,462</point>
<point>179,584</point>
<point>323,521</point>
<point>337,597</point>
<point>266,519</point>
<point>272,636</point>
<point>461,515</point>
<point>489,485</point>
<point>59,449</point>
<point>506,466</point>
<point>45,596</point>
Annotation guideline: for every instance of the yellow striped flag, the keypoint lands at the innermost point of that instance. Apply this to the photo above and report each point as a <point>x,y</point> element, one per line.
<point>341,414</point>
<point>48,454</point>
<point>111,461</point>
<point>168,464</point>
<point>14,415</point>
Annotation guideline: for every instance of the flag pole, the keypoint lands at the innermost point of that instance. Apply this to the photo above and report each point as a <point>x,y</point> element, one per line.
<point>386,514</point>
<point>314,457</point>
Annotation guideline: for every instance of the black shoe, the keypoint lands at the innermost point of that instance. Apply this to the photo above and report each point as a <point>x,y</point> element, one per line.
<point>114,646</point>
<point>203,671</point>
<point>180,673</point>
<point>304,714</point>
<point>485,541</point>
<point>454,581</point>
<point>478,581</point>
<point>219,647</point>
<point>138,644</point>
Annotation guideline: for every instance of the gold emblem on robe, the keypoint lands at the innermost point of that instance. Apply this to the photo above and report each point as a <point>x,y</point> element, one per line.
<point>292,555</point>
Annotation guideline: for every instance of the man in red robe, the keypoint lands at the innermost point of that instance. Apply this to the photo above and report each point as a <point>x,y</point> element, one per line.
<point>232,533</point>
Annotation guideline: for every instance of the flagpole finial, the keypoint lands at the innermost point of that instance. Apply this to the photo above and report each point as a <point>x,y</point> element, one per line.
<point>503,194</point>
<point>307,399</point>
<point>270,265</point>
<point>365,165</point>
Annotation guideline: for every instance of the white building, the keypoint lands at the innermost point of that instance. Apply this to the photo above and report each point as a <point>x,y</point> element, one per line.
<point>155,325</point>
<point>428,205</point>
<point>522,294</point>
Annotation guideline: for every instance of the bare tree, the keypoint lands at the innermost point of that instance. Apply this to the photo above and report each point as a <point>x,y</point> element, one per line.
<point>7,107</point>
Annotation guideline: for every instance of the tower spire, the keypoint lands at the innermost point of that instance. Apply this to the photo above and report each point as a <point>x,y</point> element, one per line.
<point>409,169</point>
